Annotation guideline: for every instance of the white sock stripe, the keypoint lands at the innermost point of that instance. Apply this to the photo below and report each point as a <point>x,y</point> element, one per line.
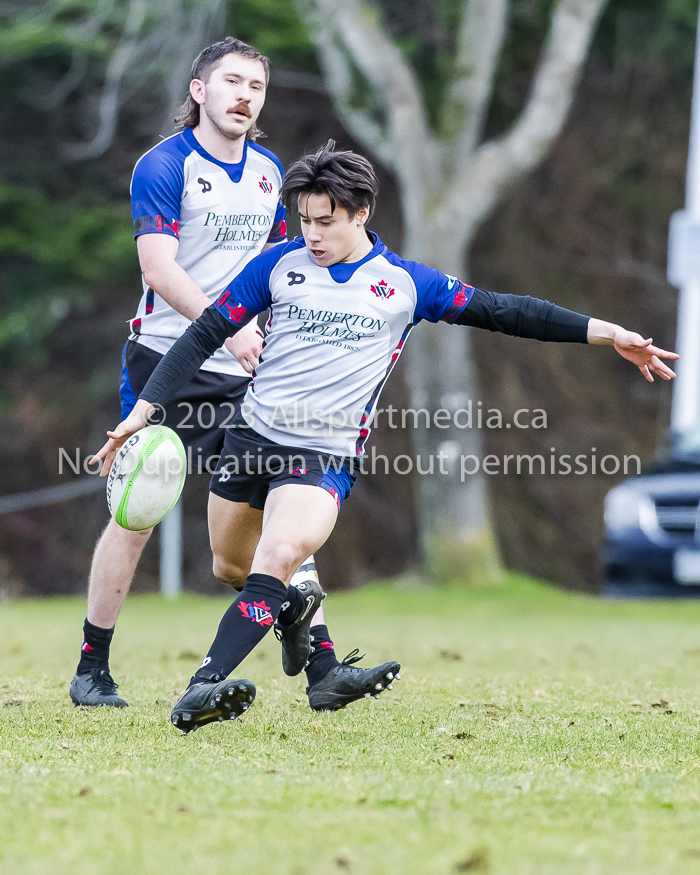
<point>306,571</point>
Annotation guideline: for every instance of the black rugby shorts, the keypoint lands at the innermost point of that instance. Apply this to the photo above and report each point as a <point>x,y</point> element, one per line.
<point>251,465</point>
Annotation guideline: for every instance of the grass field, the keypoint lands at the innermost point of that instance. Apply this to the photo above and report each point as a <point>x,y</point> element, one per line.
<point>533,732</point>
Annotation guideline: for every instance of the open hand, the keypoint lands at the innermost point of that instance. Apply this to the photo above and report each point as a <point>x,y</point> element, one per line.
<point>135,421</point>
<point>245,346</point>
<point>642,353</point>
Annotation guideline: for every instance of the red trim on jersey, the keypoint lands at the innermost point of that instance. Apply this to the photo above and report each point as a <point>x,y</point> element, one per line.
<point>461,298</point>
<point>156,225</point>
<point>364,432</point>
<point>278,232</point>
<point>235,313</point>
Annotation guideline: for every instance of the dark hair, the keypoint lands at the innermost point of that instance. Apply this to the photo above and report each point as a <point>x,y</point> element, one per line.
<point>188,114</point>
<point>348,179</point>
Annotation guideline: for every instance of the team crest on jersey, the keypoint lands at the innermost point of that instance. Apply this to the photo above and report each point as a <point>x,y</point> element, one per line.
<point>258,612</point>
<point>265,185</point>
<point>382,289</point>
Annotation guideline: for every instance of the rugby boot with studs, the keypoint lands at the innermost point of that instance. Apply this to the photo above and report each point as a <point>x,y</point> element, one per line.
<point>347,682</point>
<point>209,702</point>
<point>296,638</point>
<point>95,688</point>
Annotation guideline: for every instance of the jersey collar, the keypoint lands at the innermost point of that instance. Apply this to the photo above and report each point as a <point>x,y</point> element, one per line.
<point>342,272</point>
<point>235,171</point>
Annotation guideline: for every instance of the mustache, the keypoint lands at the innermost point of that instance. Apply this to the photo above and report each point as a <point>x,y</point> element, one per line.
<point>242,108</point>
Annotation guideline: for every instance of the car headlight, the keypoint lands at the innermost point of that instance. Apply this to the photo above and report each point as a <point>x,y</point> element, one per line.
<point>626,508</point>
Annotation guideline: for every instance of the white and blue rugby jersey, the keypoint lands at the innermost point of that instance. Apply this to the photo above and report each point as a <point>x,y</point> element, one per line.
<point>222,214</point>
<point>333,337</point>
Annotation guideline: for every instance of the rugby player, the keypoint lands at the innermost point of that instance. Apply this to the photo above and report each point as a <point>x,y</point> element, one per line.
<point>341,308</point>
<point>205,202</point>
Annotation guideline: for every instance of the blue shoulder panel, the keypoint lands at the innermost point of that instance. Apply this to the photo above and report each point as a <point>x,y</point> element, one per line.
<point>268,154</point>
<point>156,188</point>
<point>249,292</point>
<point>440,298</point>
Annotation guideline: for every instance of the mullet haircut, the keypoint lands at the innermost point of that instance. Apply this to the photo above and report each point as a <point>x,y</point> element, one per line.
<point>188,114</point>
<point>348,179</point>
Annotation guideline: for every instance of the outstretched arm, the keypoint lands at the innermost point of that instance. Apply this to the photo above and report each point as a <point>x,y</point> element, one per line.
<point>523,316</point>
<point>633,347</point>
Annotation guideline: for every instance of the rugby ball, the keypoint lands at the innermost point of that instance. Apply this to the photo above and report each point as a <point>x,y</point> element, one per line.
<point>146,478</point>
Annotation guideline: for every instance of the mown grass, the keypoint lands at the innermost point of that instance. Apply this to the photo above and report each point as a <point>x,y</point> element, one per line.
<point>533,732</point>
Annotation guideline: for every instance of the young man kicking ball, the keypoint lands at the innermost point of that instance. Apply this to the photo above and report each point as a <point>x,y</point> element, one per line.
<point>341,307</point>
<point>205,202</point>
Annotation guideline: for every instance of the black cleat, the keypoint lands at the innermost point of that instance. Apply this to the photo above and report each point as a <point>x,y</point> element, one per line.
<point>206,703</point>
<point>296,639</point>
<point>346,683</point>
<point>96,688</point>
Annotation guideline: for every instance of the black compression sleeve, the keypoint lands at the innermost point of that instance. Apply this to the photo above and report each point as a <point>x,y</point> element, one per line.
<point>187,355</point>
<point>523,316</point>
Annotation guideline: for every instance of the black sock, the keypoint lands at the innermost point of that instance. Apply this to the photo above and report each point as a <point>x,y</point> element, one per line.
<point>94,651</point>
<point>292,608</point>
<point>322,658</point>
<point>243,627</point>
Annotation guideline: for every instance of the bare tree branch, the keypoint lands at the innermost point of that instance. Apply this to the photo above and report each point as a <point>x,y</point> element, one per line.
<point>190,31</point>
<point>337,74</point>
<point>447,189</point>
<point>498,163</point>
<point>109,99</point>
<point>63,88</point>
<point>162,50</point>
<point>481,34</point>
<point>413,150</point>
<point>82,33</point>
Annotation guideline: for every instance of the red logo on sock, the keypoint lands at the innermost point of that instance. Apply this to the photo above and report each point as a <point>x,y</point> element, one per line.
<point>328,644</point>
<point>258,612</point>
<point>84,647</point>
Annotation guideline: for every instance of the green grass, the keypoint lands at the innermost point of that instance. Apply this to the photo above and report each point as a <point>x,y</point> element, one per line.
<point>533,732</point>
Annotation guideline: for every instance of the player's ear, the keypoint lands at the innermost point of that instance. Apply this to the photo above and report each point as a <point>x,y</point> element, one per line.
<point>362,215</point>
<point>197,91</point>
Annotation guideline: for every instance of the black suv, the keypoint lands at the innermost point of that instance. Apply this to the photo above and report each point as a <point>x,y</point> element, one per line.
<point>652,530</point>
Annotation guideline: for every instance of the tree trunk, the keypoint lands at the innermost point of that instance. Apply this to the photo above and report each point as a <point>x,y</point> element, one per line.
<point>450,182</point>
<point>457,535</point>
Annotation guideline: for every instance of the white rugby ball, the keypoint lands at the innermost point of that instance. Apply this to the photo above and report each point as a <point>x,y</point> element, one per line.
<point>146,478</point>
